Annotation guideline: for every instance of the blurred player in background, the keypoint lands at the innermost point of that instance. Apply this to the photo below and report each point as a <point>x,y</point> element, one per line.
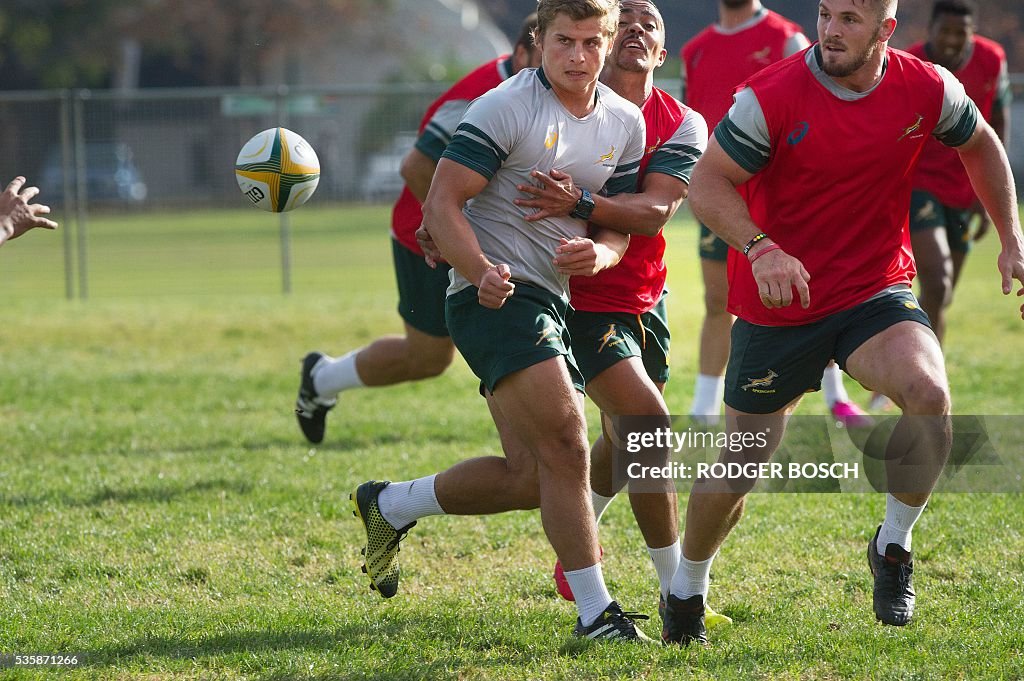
<point>508,300</point>
<point>943,203</point>
<point>819,274</point>
<point>747,38</point>
<point>17,212</point>
<point>426,349</point>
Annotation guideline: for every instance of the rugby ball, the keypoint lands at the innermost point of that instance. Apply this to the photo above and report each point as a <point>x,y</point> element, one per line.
<point>277,170</point>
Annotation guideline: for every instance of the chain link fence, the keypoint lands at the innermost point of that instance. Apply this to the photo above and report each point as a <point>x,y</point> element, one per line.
<point>131,152</point>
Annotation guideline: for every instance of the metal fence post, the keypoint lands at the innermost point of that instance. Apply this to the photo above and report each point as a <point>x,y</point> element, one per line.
<point>67,151</point>
<point>80,192</point>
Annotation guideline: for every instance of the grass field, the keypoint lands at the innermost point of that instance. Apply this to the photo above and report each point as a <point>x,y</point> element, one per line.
<point>161,515</point>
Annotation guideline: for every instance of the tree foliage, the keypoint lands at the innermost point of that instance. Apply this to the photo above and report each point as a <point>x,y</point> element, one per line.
<point>77,43</point>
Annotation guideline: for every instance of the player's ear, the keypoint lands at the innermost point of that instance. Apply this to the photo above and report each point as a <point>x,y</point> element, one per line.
<point>662,56</point>
<point>887,29</point>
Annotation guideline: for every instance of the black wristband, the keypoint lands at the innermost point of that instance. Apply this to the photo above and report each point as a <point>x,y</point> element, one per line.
<point>750,244</point>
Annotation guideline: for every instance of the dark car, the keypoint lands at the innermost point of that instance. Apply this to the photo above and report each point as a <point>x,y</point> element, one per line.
<point>110,174</point>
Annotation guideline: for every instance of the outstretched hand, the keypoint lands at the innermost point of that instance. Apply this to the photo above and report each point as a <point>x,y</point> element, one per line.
<point>556,196</point>
<point>777,273</point>
<point>17,212</point>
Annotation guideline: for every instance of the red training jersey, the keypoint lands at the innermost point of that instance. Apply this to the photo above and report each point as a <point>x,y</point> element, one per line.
<point>407,215</point>
<point>835,191</point>
<point>676,137</point>
<point>716,61</point>
<point>940,171</point>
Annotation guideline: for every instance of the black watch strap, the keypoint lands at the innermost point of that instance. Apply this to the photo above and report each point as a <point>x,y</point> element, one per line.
<point>584,207</point>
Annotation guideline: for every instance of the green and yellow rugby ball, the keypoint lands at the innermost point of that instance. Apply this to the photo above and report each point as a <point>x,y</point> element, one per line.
<point>277,170</point>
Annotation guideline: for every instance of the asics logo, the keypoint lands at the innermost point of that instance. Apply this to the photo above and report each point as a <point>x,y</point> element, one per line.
<point>799,132</point>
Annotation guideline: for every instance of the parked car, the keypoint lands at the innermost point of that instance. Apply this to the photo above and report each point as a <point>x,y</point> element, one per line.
<point>110,174</point>
<point>383,181</point>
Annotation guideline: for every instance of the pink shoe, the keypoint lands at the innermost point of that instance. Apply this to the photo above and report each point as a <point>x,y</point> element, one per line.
<point>562,584</point>
<point>849,415</point>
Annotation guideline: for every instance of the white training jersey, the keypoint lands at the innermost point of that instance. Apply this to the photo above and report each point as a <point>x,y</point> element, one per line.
<point>521,126</point>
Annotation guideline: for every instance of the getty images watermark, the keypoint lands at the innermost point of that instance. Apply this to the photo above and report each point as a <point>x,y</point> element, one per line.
<point>675,442</point>
<point>818,454</point>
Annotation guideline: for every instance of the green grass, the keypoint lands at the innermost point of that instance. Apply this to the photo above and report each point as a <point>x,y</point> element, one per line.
<point>160,513</point>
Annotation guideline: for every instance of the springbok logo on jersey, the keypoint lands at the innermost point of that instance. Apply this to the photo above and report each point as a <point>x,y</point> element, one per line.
<point>549,333</point>
<point>912,128</point>
<point>762,56</point>
<point>610,338</point>
<point>552,137</point>
<point>759,385</point>
<point>653,148</point>
<point>604,158</point>
<point>927,212</point>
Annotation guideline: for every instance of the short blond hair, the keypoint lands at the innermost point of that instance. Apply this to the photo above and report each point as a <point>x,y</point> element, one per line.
<point>578,10</point>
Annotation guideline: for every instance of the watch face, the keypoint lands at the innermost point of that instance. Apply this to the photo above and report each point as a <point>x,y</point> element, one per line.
<point>584,207</point>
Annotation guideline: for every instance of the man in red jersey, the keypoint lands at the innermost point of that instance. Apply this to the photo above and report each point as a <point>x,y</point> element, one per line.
<point>619,327</point>
<point>747,38</point>
<point>784,182</point>
<point>943,203</point>
<point>426,349</point>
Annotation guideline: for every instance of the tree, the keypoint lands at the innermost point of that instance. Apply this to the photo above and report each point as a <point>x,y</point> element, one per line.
<point>77,43</point>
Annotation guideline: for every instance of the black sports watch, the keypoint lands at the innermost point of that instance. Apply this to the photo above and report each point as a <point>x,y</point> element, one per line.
<point>584,207</point>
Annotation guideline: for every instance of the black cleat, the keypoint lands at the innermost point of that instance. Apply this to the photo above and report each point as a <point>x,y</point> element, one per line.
<point>613,624</point>
<point>683,621</point>
<point>382,540</point>
<point>311,410</point>
<point>894,591</point>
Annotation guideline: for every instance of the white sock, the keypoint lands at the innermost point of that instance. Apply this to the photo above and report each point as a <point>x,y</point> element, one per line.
<point>832,385</point>
<point>899,522</point>
<point>600,504</point>
<point>592,595</point>
<point>331,376</point>
<point>708,393</point>
<point>692,578</point>
<point>666,562</point>
<point>403,502</point>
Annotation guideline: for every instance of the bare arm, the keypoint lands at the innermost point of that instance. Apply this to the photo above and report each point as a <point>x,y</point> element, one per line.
<point>716,203</point>
<point>1001,122</point>
<point>417,170</point>
<point>442,217</point>
<point>645,213</point>
<point>985,160</point>
<point>18,214</point>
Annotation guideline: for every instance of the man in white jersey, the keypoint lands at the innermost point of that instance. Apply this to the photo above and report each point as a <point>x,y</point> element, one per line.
<point>619,324</point>
<point>508,298</point>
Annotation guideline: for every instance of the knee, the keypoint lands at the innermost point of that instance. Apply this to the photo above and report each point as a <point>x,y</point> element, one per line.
<point>927,396</point>
<point>938,288</point>
<point>565,453</point>
<point>430,364</point>
<point>715,303</point>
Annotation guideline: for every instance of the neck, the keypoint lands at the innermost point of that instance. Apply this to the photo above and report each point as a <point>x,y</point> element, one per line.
<point>631,85</point>
<point>579,104</point>
<point>729,17</point>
